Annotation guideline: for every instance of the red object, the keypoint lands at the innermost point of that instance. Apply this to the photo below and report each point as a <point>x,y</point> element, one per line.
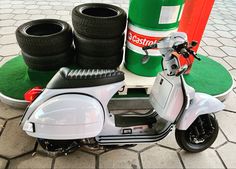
<point>32,94</point>
<point>194,20</point>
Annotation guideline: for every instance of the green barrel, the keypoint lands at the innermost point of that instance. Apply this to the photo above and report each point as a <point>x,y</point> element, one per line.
<point>149,20</point>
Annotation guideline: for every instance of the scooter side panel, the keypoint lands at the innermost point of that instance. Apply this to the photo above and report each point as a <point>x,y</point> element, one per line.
<point>102,93</point>
<point>167,96</point>
<point>201,104</point>
<point>68,116</point>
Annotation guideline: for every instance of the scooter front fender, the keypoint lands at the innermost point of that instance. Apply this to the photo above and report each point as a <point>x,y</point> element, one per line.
<point>66,116</point>
<point>201,104</point>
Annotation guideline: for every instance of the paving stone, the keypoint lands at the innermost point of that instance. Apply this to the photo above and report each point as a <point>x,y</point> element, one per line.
<point>231,61</point>
<point>19,11</point>
<point>21,16</point>
<point>233,73</point>
<point>61,12</point>
<point>216,16</point>
<point>14,141</point>
<point>233,32</point>
<point>229,50</point>
<point>210,22</point>
<point>31,162</point>
<point>49,12</point>
<point>211,41</point>
<point>53,16</point>
<point>17,2</point>
<point>227,122</point>
<point>210,34</point>
<point>214,51</point>
<point>206,159</point>
<point>221,27</point>
<point>6,16</point>
<point>119,159</point>
<point>29,2</point>
<point>31,6</point>
<point>232,27</point>
<point>54,3</point>
<point>224,34</point>
<point>75,160</point>
<point>42,3</point>
<point>222,62</point>
<point>8,39</point>
<point>65,18</point>
<point>3,163</point>
<point>169,141</point>
<point>20,22</point>
<point>2,122</point>
<point>7,30</point>
<point>3,11</point>
<point>219,21</point>
<point>201,51</point>
<point>227,153</point>
<point>8,112</point>
<point>34,11</point>
<point>34,17</point>
<point>140,147</point>
<point>4,1</point>
<point>58,7</point>
<point>5,6</point>
<point>158,157</point>
<point>202,44</point>
<point>8,50</point>
<point>230,21</point>
<point>210,28</point>
<point>45,7</point>
<point>227,41</point>
<point>18,6</point>
<point>219,140</point>
<point>68,3</point>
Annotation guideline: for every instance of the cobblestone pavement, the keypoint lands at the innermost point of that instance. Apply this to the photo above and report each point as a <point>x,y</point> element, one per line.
<point>16,148</point>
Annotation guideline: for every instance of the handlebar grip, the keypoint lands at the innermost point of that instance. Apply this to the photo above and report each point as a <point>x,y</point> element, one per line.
<point>153,46</point>
<point>194,55</point>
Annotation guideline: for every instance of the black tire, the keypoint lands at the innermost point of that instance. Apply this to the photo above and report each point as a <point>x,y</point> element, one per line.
<point>96,20</point>
<point>44,37</point>
<point>90,62</point>
<point>184,137</point>
<point>98,47</point>
<point>46,63</point>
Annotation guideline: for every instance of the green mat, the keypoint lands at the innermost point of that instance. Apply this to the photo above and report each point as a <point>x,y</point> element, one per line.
<point>207,76</point>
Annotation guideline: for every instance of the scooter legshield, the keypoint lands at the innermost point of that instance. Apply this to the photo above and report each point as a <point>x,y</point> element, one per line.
<point>67,116</point>
<point>201,104</point>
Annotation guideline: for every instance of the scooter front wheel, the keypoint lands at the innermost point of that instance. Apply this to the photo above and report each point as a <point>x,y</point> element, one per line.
<point>200,135</point>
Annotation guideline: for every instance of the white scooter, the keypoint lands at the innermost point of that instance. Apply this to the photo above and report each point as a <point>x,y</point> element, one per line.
<point>72,110</point>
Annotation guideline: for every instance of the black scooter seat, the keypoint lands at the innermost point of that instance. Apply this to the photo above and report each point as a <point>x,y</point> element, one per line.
<point>75,78</point>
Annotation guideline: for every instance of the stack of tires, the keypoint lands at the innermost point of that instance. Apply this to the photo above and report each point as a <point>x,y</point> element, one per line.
<point>46,44</point>
<point>99,35</point>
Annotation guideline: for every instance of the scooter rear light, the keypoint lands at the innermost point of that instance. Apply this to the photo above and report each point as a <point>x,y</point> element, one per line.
<point>32,94</point>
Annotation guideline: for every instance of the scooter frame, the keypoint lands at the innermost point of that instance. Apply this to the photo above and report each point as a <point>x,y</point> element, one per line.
<point>80,113</point>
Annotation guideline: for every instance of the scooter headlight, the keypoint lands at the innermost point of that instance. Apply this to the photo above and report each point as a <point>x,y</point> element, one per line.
<point>29,127</point>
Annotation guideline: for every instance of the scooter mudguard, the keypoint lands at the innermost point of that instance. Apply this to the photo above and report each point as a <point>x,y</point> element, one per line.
<point>201,104</point>
<point>67,116</point>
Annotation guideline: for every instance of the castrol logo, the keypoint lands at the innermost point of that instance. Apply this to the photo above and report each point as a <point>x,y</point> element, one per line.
<point>141,40</point>
<point>138,37</point>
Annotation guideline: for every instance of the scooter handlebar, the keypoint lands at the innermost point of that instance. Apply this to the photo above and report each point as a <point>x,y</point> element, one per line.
<point>153,46</point>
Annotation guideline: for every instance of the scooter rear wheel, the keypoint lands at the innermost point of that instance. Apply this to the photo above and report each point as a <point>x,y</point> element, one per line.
<point>200,135</point>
